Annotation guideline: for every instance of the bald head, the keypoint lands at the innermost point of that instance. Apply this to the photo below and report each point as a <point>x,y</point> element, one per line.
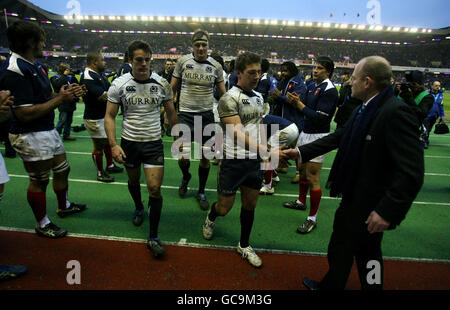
<point>371,75</point>
<point>377,68</point>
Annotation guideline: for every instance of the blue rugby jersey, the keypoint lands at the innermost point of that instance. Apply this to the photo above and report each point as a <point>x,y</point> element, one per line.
<point>96,85</point>
<point>320,105</point>
<point>29,84</point>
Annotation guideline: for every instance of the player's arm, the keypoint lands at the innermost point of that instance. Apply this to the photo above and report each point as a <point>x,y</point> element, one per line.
<point>171,114</point>
<point>239,135</point>
<point>29,112</point>
<point>221,88</point>
<point>174,84</point>
<point>110,127</point>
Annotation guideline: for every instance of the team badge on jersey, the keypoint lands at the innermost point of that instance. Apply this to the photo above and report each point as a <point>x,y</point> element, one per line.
<point>316,92</point>
<point>208,69</point>
<point>245,101</point>
<point>153,89</point>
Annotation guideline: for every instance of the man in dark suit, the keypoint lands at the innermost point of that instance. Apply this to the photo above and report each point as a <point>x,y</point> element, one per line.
<point>378,171</point>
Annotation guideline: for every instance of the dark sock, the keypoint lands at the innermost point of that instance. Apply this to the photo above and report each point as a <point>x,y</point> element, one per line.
<point>108,156</point>
<point>246,226</point>
<point>184,166</point>
<point>202,178</point>
<point>98,161</point>
<point>61,196</point>
<point>38,203</point>
<point>135,192</point>
<point>213,213</point>
<point>154,214</point>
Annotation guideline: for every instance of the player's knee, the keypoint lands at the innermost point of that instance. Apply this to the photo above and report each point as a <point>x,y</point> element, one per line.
<point>154,190</point>
<point>184,162</point>
<point>61,169</point>
<point>40,178</point>
<point>222,209</point>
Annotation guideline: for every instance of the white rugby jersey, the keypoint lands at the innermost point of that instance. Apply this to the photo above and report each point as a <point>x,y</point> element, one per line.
<point>250,108</point>
<point>142,101</point>
<point>197,82</point>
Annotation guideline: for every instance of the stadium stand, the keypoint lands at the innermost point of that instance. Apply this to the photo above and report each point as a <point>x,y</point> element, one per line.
<point>404,48</point>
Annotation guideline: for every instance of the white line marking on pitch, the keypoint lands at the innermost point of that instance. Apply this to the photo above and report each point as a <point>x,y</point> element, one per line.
<point>214,190</point>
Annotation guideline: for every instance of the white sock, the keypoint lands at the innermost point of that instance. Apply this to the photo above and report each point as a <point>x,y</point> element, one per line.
<point>44,222</point>
<point>312,218</point>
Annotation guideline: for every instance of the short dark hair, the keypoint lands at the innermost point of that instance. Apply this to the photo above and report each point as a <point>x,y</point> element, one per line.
<point>290,67</point>
<point>62,67</point>
<point>327,62</point>
<point>21,33</point>
<point>265,64</point>
<point>216,56</point>
<point>245,59</point>
<point>198,34</point>
<point>92,57</point>
<point>138,45</point>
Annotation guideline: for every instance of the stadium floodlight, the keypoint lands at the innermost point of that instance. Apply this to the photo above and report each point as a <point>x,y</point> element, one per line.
<point>111,17</point>
<point>291,23</point>
<point>361,27</point>
<point>344,26</point>
<point>230,20</point>
<point>178,18</point>
<point>256,21</point>
<point>326,25</point>
<point>161,18</point>
<point>301,23</point>
<point>309,24</point>
<point>396,29</point>
<point>429,30</point>
<point>413,30</point>
<point>95,17</point>
<point>195,19</point>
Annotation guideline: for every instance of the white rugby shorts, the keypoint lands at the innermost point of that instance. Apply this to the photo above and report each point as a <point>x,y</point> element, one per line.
<point>4,177</point>
<point>306,138</point>
<point>36,146</point>
<point>287,136</point>
<point>96,128</point>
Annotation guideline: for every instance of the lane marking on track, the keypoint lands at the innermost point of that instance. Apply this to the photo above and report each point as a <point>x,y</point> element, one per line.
<point>213,189</point>
<point>183,243</point>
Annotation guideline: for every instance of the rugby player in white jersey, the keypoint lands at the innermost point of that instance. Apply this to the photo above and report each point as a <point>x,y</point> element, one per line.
<point>142,94</point>
<point>241,110</point>
<point>198,74</point>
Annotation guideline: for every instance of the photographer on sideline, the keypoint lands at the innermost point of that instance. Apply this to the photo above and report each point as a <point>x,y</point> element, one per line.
<point>414,94</point>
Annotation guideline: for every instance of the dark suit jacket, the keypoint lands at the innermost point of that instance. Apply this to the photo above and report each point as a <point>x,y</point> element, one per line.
<point>391,171</point>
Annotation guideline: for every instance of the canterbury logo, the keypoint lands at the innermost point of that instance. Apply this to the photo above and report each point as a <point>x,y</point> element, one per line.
<point>245,101</point>
<point>130,88</point>
<point>189,67</point>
